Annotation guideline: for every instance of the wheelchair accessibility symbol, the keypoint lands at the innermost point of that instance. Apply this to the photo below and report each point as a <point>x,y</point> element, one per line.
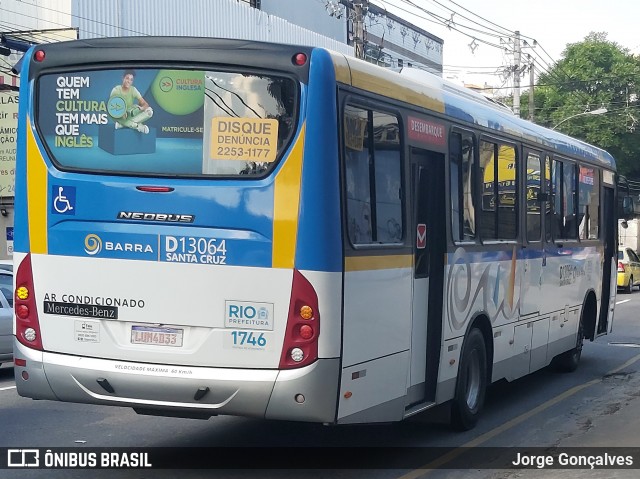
<point>64,200</point>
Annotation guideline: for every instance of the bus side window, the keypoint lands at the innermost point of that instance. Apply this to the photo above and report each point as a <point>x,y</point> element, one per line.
<point>565,204</point>
<point>469,187</point>
<point>548,205</point>
<point>463,188</point>
<point>357,175</point>
<point>498,219</point>
<point>373,177</point>
<point>556,180</point>
<point>534,177</point>
<point>455,177</point>
<point>507,193</point>
<point>487,218</point>
<point>570,223</point>
<point>588,203</point>
<point>388,178</point>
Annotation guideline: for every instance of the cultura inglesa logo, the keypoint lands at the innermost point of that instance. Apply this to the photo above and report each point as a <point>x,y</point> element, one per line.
<point>92,244</point>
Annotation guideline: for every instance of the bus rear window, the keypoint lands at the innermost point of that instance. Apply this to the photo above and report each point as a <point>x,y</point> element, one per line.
<point>166,122</point>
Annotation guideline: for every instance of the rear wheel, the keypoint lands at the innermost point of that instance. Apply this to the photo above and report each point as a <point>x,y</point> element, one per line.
<point>568,362</point>
<point>472,382</point>
<point>629,288</point>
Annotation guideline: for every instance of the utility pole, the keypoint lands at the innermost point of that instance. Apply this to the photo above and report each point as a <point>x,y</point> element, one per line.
<point>515,46</point>
<point>516,73</point>
<point>531,82</point>
<point>360,8</point>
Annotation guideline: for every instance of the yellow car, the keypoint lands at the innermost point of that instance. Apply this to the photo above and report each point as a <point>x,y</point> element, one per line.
<point>628,269</point>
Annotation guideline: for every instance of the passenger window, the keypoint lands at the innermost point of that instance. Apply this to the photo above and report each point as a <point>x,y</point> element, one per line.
<point>373,176</point>
<point>548,205</point>
<point>498,219</point>
<point>565,224</point>
<point>463,187</point>
<point>534,176</point>
<point>569,204</point>
<point>589,203</point>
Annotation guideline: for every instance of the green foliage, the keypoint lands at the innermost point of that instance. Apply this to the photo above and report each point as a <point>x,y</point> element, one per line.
<point>592,74</point>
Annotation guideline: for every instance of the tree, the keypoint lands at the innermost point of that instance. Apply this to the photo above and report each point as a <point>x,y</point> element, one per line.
<point>592,74</point>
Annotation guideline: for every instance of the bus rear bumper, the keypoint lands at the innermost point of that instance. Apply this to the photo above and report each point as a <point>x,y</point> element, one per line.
<point>305,394</point>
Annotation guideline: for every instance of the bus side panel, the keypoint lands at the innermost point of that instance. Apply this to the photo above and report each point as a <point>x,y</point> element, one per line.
<point>319,244</point>
<point>21,229</point>
<point>377,338</point>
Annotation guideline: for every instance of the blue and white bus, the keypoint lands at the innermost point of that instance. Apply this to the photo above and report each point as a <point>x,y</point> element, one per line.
<point>224,227</point>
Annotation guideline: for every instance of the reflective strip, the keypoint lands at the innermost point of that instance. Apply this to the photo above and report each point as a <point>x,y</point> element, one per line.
<point>366,263</point>
<point>36,195</point>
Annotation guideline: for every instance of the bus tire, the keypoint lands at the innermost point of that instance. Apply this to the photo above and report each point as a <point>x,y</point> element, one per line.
<point>568,361</point>
<point>471,385</point>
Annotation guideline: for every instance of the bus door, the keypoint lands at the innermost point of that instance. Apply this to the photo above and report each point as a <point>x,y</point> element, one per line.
<point>531,283</point>
<point>609,279</point>
<point>429,228</point>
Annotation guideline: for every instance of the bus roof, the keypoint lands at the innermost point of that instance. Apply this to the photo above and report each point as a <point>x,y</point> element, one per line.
<point>429,91</point>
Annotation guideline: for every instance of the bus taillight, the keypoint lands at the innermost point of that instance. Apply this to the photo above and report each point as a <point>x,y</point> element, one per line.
<point>300,346</point>
<point>27,324</point>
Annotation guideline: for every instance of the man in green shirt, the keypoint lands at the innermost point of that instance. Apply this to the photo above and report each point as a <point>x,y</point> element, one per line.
<point>127,107</point>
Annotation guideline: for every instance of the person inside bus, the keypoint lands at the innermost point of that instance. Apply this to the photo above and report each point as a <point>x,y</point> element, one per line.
<point>136,108</point>
<point>468,179</point>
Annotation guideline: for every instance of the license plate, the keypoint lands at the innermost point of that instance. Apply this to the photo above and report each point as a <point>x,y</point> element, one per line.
<point>156,336</point>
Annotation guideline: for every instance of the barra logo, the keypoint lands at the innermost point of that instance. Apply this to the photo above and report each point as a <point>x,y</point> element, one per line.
<point>92,244</point>
<point>23,458</point>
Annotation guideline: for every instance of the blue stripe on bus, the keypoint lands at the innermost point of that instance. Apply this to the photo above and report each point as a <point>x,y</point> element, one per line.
<point>171,245</point>
<point>319,245</point>
<point>20,223</point>
<point>571,252</point>
<point>239,212</point>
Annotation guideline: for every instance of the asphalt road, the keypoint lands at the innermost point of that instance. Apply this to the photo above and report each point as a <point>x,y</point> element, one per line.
<point>595,406</point>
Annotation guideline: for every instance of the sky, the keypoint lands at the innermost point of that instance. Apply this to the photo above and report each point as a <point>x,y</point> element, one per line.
<point>552,23</point>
